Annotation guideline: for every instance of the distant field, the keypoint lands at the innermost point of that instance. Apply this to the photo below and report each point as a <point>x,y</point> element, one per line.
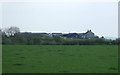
<point>60,59</point>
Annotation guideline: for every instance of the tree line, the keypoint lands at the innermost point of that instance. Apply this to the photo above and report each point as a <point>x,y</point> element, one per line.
<point>13,36</point>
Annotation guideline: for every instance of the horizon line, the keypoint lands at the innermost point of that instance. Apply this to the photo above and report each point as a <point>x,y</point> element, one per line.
<point>67,32</point>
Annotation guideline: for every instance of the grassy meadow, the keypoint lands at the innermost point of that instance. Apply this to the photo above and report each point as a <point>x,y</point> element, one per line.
<point>60,58</point>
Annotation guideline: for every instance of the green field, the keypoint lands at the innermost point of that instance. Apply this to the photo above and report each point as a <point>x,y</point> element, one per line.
<point>60,59</point>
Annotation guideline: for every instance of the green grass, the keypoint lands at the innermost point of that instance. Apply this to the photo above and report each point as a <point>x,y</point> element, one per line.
<point>60,59</point>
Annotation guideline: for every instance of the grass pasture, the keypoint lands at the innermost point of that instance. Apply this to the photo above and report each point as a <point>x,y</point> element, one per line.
<point>60,59</point>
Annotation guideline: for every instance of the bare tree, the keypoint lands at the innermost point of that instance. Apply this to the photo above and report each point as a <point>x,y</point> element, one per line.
<point>11,31</point>
<point>0,36</point>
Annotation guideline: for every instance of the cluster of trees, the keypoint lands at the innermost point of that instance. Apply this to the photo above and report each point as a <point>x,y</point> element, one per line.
<point>13,35</point>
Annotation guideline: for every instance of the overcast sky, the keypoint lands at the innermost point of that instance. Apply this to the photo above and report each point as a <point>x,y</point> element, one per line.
<point>100,17</point>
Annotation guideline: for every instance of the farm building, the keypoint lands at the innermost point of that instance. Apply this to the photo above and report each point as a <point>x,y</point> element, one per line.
<point>88,35</point>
